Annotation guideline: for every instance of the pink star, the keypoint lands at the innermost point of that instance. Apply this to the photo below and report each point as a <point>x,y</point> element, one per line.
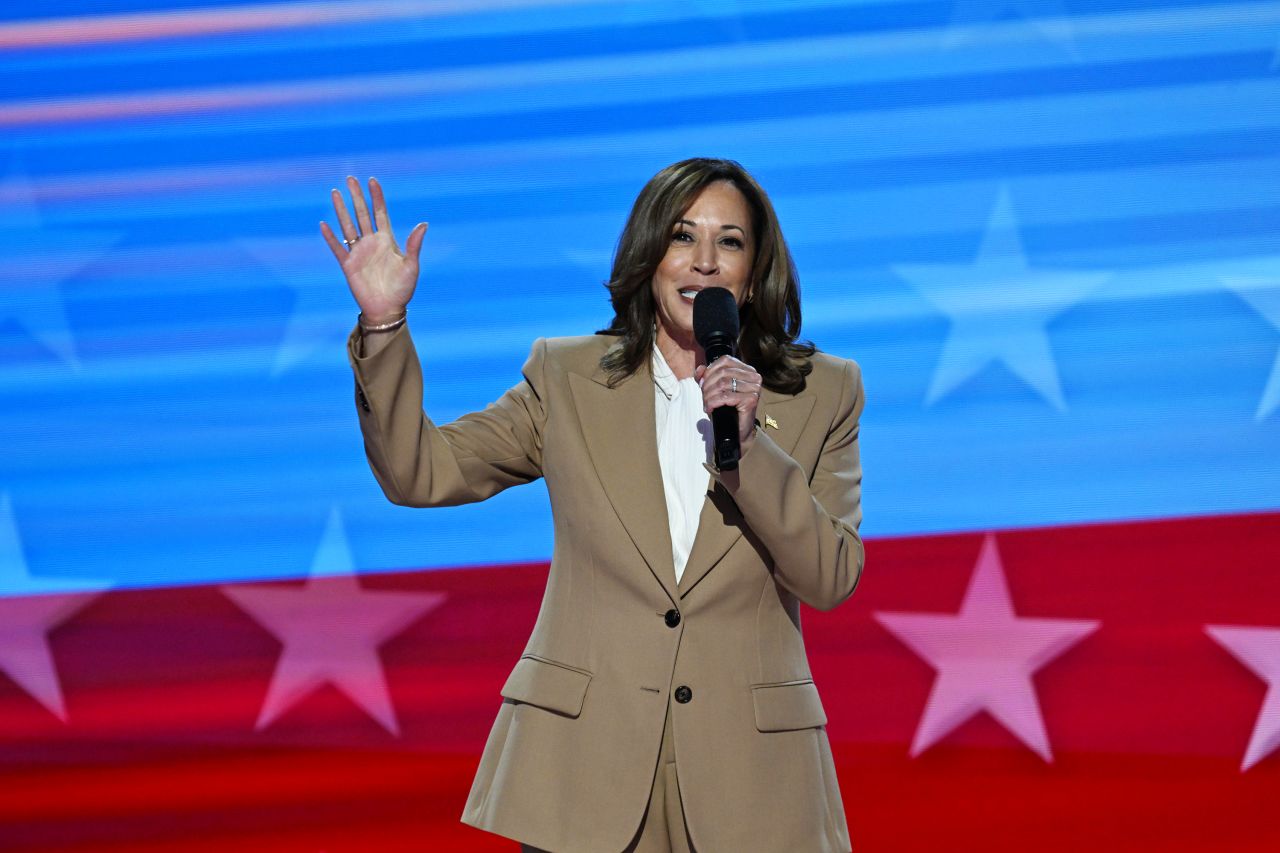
<point>31,607</point>
<point>331,629</point>
<point>1258,649</point>
<point>985,657</point>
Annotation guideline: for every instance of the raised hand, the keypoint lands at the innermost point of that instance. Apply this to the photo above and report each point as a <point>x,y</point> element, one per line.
<point>381,277</point>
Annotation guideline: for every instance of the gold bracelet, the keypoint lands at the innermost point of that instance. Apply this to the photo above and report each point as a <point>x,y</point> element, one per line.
<point>382,327</point>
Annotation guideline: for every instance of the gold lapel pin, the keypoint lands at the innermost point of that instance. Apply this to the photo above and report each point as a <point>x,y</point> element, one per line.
<point>770,422</point>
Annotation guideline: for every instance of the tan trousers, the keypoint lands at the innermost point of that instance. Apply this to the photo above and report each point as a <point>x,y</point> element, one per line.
<point>662,829</point>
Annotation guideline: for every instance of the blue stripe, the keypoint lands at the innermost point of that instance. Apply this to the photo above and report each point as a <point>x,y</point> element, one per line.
<point>178,406</point>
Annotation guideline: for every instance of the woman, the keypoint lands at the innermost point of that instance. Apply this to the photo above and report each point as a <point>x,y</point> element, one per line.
<point>664,700</point>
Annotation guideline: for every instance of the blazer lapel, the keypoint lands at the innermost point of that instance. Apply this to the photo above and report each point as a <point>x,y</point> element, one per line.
<point>721,525</point>
<point>618,425</point>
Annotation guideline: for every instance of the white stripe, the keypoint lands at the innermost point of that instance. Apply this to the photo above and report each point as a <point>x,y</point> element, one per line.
<point>838,59</point>
<point>146,26</point>
<point>857,137</point>
<point>449,19</point>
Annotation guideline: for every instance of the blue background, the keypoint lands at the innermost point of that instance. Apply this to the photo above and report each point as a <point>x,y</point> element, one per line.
<point>1049,232</point>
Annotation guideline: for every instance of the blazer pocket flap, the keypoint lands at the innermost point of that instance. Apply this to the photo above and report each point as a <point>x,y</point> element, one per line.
<point>546,684</point>
<point>787,706</point>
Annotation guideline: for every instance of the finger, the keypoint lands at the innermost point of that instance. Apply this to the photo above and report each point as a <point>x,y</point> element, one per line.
<point>715,382</point>
<point>380,216</point>
<point>362,208</point>
<point>736,381</point>
<point>335,245</point>
<point>712,373</point>
<point>730,365</point>
<point>344,218</point>
<point>728,362</point>
<point>413,246</point>
<point>744,404</point>
<point>722,396</point>
<point>721,392</point>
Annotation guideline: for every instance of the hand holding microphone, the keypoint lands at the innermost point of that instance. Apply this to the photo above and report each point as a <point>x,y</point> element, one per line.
<point>730,388</point>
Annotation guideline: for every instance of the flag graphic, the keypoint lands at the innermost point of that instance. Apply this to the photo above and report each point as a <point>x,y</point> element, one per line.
<point>1048,231</point>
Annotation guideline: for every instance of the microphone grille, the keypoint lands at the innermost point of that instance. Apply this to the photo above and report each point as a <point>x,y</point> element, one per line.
<point>715,313</point>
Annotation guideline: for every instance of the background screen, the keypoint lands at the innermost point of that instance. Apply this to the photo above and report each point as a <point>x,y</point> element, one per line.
<point>1048,231</point>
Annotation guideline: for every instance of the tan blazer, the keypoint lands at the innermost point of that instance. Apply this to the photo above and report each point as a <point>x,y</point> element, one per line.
<point>571,757</point>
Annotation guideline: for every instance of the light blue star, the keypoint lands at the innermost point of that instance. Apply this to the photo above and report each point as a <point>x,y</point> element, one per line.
<point>999,308</point>
<point>43,258</point>
<point>1263,295</point>
<point>323,311</point>
<point>1049,18</point>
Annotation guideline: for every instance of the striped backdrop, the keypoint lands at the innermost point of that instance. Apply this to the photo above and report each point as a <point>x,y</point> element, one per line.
<point>1049,231</point>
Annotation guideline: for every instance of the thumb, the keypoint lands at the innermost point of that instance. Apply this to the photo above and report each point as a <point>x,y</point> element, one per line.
<point>699,372</point>
<point>413,246</point>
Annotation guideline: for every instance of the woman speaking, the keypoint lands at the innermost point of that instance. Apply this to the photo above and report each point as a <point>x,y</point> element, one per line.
<point>664,701</point>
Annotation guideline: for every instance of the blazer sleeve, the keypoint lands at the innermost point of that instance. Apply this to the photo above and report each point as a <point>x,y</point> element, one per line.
<point>418,463</point>
<point>809,527</point>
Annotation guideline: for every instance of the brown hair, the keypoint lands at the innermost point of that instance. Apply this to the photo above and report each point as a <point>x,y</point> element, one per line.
<point>769,320</point>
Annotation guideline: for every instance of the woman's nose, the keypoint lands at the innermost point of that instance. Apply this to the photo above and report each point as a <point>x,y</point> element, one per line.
<point>704,260</point>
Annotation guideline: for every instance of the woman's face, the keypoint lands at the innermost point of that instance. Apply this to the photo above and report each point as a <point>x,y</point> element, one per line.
<point>711,246</point>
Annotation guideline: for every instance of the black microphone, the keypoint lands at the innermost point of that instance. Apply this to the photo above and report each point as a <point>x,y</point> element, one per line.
<point>715,327</point>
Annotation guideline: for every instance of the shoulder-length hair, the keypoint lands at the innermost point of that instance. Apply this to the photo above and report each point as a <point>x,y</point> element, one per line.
<point>770,318</point>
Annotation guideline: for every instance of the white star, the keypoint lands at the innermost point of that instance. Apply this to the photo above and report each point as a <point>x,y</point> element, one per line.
<point>41,260</point>
<point>29,609</point>
<point>999,309</point>
<point>1263,295</point>
<point>331,629</point>
<point>985,657</point>
<point>323,311</point>
<point>1259,650</point>
<point>1048,17</point>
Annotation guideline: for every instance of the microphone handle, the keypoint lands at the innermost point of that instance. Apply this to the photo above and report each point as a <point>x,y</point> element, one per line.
<point>724,426</point>
<point>717,346</point>
<point>724,419</point>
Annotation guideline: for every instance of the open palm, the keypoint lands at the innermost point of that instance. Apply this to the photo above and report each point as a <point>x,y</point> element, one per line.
<point>381,277</point>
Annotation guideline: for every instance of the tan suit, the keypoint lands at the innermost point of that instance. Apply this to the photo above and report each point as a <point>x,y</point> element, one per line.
<point>571,758</point>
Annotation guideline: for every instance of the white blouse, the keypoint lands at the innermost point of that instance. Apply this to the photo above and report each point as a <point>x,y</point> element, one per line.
<point>685,444</point>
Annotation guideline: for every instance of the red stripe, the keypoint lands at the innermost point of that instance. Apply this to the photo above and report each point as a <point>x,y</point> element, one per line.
<point>1148,717</point>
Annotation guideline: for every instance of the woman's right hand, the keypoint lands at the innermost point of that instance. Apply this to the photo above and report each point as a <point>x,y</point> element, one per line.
<point>381,277</point>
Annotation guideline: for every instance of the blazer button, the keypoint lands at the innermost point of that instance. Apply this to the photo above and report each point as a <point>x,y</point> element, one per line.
<point>683,694</point>
<point>364,401</point>
<point>671,617</point>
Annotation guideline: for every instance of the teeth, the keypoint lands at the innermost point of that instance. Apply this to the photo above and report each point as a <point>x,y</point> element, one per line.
<point>688,294</point>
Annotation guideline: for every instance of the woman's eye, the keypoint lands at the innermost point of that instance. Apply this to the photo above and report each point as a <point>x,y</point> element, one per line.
<point>732,241</point>
<point>683,236</point>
